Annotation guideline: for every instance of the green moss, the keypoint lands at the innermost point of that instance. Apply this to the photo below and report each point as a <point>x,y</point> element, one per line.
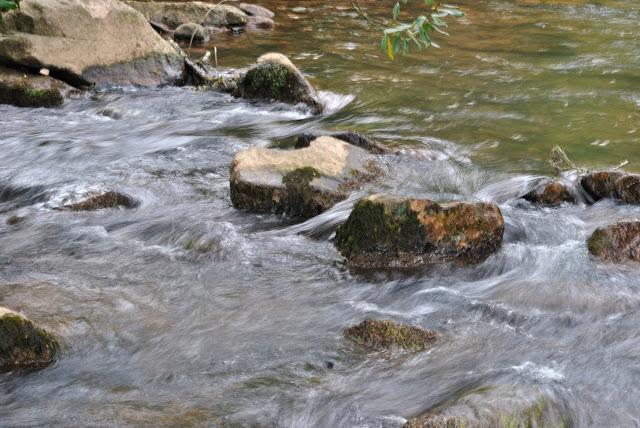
<point>24,95</point>
<point>302,176</point>
<point>22,345</point>
<point>269,81</point>
<point>387,334</point>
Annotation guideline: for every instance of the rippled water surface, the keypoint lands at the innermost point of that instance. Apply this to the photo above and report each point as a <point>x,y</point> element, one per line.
<point>186,312</point>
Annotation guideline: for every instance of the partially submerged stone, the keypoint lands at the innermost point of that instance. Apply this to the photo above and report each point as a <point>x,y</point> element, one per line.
<point>275,78</point>
<point>352,138</point>
<point>551,193</point>
<point>88,42</point>
<point>191,32</point>
<point>388,232</point>
<point>104,200</point>
<point>174,14</point>
<point>22,344</point>
<point>386,334</point>
<point>299,183</point>
<point>256,10</point>
<point>31,90</point>
<point>617,242</point>
<point>617,185</point>
<point>260,22</point>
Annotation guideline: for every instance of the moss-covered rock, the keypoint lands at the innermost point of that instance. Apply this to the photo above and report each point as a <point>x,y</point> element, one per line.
<point>551,193</point>
<point>386,232</point>
<point>386,334</point>
<point>617,242</point>
<point>191,32</point>
<point>23,345</point>
<point>299,183</point>
<point>103,200</point>
<point>174,14</point>
<point>618,185</point>
<point>275,78</point>
<point>31,90</point>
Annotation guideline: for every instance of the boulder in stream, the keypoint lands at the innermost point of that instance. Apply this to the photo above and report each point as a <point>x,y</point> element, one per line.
<point>386,334</point>
<point>109,199</point>
<point>551,193</point>
<point>383,231</point>
<point>618,185</point>
<point>22,344</point>
<point>275,78</point>
<point>88,42</point>
<point>191,32</point>
<point>256,10</point>
<point>617,242</point>
<point>174,14</point>
<point>352,138</point>
<point>299,183</point>
<point>31,90</point>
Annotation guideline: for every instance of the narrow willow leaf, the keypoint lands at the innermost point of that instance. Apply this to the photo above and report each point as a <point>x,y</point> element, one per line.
<point>396,10</point>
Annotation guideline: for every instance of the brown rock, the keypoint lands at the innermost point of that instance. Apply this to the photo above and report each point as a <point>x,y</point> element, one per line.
<point>385,334</point>
<point>616,243</point>
<point>31,90</point>
<point>260,22</point>
<point>103,200</point>
<point>618,185</point>
<point>551,193</point>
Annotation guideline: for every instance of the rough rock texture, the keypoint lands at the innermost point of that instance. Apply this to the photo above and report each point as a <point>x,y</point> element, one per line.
<point>191,31</point>
<point>31,90</point>
<point>352,138</point>
<point>256,10</point>
<point>103,200</point>
<point>618,185</point>
<point>274,77</point>
<point>299,183</point>
<point>23,345</point>
<point>617,242</point>
<point>260,22</point>
<point>84,42</point>
<point>387,232</point>
<point>551,193</point>
<point>495,407</point>
<point>176,14</point>
<point>385,334</point>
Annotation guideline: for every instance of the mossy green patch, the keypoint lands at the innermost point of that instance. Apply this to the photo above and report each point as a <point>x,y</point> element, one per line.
<point>384,334</point>
<point>302,176</point>
<point>24,95</point>
<point>22,345</point>
<point>269,81</point>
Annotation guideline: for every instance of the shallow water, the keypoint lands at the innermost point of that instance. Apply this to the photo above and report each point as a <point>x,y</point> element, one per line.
<point>186,312</point>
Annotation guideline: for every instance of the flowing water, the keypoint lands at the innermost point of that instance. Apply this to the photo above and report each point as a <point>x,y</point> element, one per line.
<point>187,312</point>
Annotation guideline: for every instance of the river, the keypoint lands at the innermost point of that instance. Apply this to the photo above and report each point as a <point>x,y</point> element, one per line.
<point>187,312</point>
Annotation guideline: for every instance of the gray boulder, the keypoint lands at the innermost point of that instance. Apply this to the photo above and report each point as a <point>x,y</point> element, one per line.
<point>256,10</point>
<point>191,32</point>
<point>175,14</point>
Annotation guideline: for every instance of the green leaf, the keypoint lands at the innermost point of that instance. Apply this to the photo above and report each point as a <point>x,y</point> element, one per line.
<point>6,5</point>
<point>398,29</point>
<point>396,10</point>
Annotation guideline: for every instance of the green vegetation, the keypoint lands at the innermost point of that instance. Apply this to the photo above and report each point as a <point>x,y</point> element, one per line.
<point>7,5</point>
<point>385,334</point>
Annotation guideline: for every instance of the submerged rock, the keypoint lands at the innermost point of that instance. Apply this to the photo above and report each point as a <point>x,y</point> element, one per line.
<point>23,345</point>
<point>255,10</point>
<point>385,334</point>
<point>191,31</point>
<point>618,185</point>
<point>261,23</point>
<point>88,42</point>
<point>551,193</point>
<point>103,200</point>
<point>275,78</point>
<point>617,242</point>
<point>29,90</point>
<point>299,183</point>
<point>386,232</point>
<point>352,138</point>
<point>174,14</point>
<point>495,407</point>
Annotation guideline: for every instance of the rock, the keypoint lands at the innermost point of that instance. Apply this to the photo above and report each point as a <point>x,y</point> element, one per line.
<point>275,78</point>
<point>23,345</point>
<point>255,10</point>
<point>175,14</point>
<point>88,42</point>
<point>191,31</point>
<point>385,334</point>
<point>352,138</point>
<point>617,242</point>
<point>386,232</point>
<point>261,23</point>
<point>495,407</point>
<point>299,183</point>
<point>618,185</point>
<point>31,90</point>
<point>103,200</point>
<point>551,193</point>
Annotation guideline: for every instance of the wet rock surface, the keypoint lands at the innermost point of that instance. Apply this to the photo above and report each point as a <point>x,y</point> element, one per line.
<point>386,334</point>
<point>383,231</point>
<point>617,242</point>
<point>104,200</point>
<point>618,185</point>
<point>191,32</point>
<point>275,78</point>
<point>175,14</point>
<point>32,90</point>
<point>299,183</point>
<point>22,344</point>
<point>256,10</point>
<point>352,138</point>
<point>551,193</point>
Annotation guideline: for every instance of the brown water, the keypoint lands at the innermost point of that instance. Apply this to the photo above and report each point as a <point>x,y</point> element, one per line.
<point>186,312</point>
